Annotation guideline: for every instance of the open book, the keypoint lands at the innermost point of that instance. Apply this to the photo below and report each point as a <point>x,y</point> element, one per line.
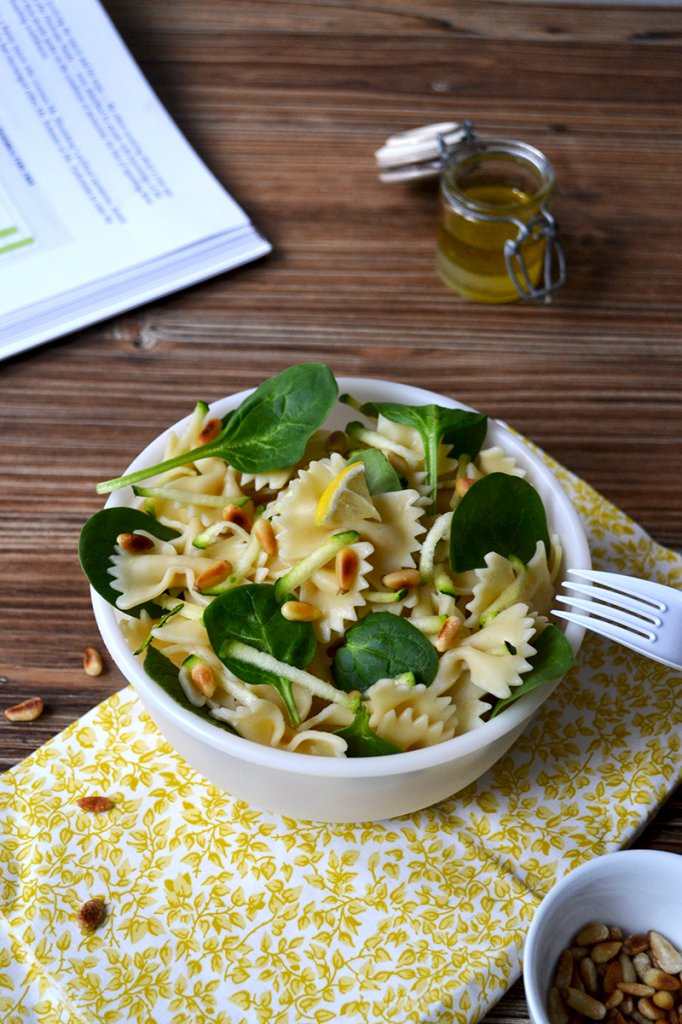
<point>103,203</point>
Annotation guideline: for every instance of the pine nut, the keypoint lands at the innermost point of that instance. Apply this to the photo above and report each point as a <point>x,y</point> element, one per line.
<point>398,462</point>
<point>578,952</point>
<point>641,963</point>
<point>235,514</point>
<point>462,486</point>
<point>664,1000</point>
<point>134,543</point>
<point>612,976</point>
<point>347,566</point>
<point>447,638</point>
<point>615,934</point>
<point>215,574</point>
<point>402,578</point>
<point>27,711</point>
<point>616,1017</point>
<point>588,972</point>
<point>673,1016</point>
<point>203,678</point>
<point>92,662</point>
<point>94,804</point>
<point>265,534</point>
<point>210,431</point>
<point>337,442</point>
<point>626,1006</point>
<point>614,1000</point>
<point>584,1003</point>
<point>634,988</point>
<point>576,980</point>
<point>650,1010</point>
<point>669,959</point>
<point>300,611</point>
<point>604,951</point>
<point>564,972</point>
<point>556,1008</point>
<point>636,943</point>
<point>590,934</point>
<point>90,915</point>
<point>661,980</point>
<point>629,973</point>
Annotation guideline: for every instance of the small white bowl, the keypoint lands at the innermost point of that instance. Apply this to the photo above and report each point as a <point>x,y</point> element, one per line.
<point>354,789</point>
<point>634,890</point>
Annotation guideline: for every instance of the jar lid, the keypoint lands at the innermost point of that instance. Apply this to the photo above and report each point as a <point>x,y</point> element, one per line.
<point>421,152</point>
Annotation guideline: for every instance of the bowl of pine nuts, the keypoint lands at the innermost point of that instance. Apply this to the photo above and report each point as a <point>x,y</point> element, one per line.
<point>606,943</point>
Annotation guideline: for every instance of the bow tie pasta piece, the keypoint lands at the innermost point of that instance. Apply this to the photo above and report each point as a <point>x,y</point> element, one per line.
<point>263,722</point>
<point>410,717</point>
<point>142,577</point>
<point>323,744</point>
<point>493,580</point>
<point>535,589</point>
<point>454,680</point>
<point>496,655</point>
<point>294,521</point>
<point>494,460</point>
<point>395,538</point>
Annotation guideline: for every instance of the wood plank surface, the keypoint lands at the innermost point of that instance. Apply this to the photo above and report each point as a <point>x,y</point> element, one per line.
<point>286,102</point>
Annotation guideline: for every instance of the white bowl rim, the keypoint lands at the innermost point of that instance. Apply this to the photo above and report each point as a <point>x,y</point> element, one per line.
<point>326,767</point>
<point>595,868</point>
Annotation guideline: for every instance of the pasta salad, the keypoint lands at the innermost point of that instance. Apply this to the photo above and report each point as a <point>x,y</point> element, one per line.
<point>346,593</point>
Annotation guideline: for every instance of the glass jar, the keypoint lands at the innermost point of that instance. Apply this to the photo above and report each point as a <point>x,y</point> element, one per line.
<point>496,240</point>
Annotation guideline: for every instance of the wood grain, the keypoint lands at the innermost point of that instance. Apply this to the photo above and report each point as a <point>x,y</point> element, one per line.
<point>286,102</point>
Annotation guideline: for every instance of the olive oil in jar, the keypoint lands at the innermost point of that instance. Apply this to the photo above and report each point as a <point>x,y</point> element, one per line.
<point>489,191</point>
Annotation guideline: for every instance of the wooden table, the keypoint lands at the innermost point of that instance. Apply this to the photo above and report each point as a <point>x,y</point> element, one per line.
<point>286,101</point>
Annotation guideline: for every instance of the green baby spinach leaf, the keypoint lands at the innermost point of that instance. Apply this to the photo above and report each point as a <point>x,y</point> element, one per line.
<point>268,431</point>
<point>251,614</point>
<point>383,646</point>
<point>379,473</point>
<point>362,742</point>
<point>162,670</point>
<point>463,431</point>
<point>499,513</point>
<point>554,657</point>
<point>98,541</point>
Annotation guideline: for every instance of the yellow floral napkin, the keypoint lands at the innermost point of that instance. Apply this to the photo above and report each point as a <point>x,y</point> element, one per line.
<point>218,913</point>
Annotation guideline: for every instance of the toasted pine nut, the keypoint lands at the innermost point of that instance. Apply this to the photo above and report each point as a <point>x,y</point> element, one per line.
<point>626,1006</point>
<point>650,1010</point>
<point>634,988</point>
<point>668,958</point>
<point>612,976</point>
<point>556,1008</point>
<point>210,431</point>
<point>300,611</point>
<point>90,915</point>
<point>614,1000</point>
<point>26,711</point>
<point>588,973</point>
<point>236,515</point>
<point>446,639</point>
<point>605,951</point>
<point>576,980</point>
<point>578,952</point>
<point>398,462</point>
<point>616,1017</point>
<point>661,980</point>
<point>266,536</point>
<point>642,963</point>
<point>92,662</point>
<point>673,1016</point>
<point>636,943</point>
<point>134,542</point>
<point>664,1000</point>
<point>585,1004</point>
<point>215,574</point>
<point>347,566</point>
<point>402,578</point>
<point>203,677</point>
<point>615,934</point>
<point>590,934</point>
<point>564,971</point>
<point>337,442</point>
<point>94,804</point>
<point>629,973</point>
<point>462,486</point>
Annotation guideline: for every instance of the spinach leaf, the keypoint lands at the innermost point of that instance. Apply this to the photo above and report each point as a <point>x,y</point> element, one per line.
<point>269,430</point>
<point>379,473</point>
<point>162,670</point>
<point>362,742</point>
<point>383,646</point>
<point>463,431</point>
<point>554,657</point>
<point>97,543</point>
<point>499,513</point>
<point>252,615</point>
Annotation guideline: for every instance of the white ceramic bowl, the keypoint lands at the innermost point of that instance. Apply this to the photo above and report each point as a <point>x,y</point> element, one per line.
<point>635,890</point>
<point>339,789</point>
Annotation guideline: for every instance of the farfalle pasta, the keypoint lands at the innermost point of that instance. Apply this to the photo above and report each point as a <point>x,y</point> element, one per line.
<point>371,597</point>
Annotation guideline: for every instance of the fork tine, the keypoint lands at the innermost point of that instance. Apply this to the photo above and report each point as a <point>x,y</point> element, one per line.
<point>611,632</point>
<point>602,612</point>
<point>644,589</point>
<point>613,598</point>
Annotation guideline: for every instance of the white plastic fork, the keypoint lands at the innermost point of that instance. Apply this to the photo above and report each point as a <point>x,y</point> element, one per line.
<point>640,614</point>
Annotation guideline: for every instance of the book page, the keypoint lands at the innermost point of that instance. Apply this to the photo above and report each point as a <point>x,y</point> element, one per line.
<point>94,175</point>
